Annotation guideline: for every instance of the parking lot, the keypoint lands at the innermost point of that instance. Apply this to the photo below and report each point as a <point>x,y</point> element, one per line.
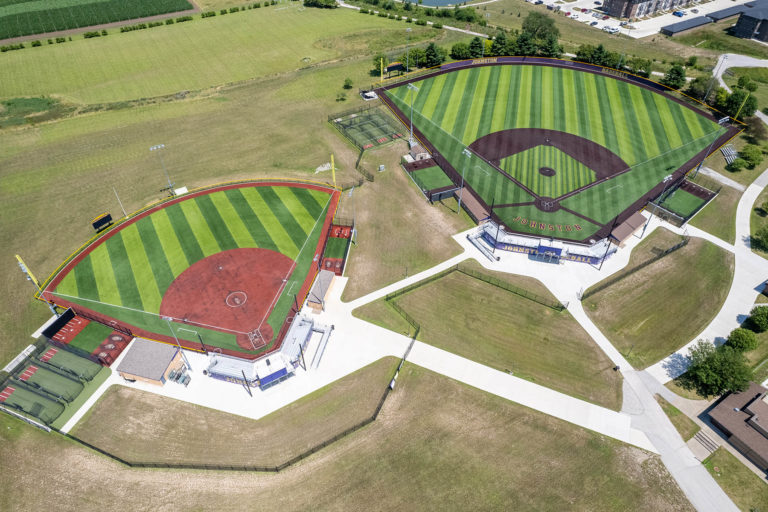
<point>595,17</point>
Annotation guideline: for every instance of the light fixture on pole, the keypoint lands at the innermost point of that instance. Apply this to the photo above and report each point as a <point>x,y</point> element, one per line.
<point>200,338</point>
<point>181,350</point>
<point>407,52</point>
<point>168,178</point>
<point>499,227</point>
<point>721,122</point>
<point>32,279</point>
<point>411,88</point>
<point>666,181</point>
<point>467,153</point>
<point>714,77</point>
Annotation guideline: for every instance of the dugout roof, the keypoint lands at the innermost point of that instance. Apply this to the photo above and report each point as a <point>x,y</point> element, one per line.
<point>147,359</point>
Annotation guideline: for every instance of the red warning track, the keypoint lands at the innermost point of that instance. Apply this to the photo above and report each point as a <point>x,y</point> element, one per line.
<point>232,290</point>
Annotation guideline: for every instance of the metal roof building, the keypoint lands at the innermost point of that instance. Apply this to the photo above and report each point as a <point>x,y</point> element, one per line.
<point>676,28</point>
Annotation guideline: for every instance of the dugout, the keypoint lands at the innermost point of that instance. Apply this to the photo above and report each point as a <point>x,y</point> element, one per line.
<point>272,370</point>
<point>149,361</point>
<point>231,369</point>
<point>626,229</point>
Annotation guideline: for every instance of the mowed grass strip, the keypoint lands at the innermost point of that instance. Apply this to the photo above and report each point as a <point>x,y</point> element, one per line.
<point>684,425</point>
<point>747,490</point>
<point>282,240</point>
<point>123,272</point>
<point>217,225</point>
<point>492,326</point>
<point>184,234</point>
<point>251,221</point>
<point>157,256</point>
<point>171,246</point>
<point>146,427</point>
<point>199,227</point>
<point>650,314</point>
<point>146,282</point>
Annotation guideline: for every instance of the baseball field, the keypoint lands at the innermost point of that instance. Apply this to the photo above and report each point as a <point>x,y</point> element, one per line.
<point>226,264</point>
<point>554,150</point>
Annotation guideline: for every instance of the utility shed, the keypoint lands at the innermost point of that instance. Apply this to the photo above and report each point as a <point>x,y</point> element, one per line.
<point>149,361</point>
<point>320,289</point>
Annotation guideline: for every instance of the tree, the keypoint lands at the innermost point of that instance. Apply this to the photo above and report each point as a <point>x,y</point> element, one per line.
<point>323,4</point>
<point>742,340</point>
<point>759,239</point>
<point>713,371</point>
<point>751,154</point>
<point>540,26</point>
<point>691,62</point>
<point>466,14</point>
<point>433,56</point>
<point>740,104</point>
<point>756,129</point>
<point>347,83</point>
<point>639,67</point>
<point>460,51</point>
<point>377,59</point>
<point>737,165</point>
<point>500,46</point>
<point>675,77</point>
<point>476,48</point>
<point>719,99</point>
<point>758,317</point>
<point>550,48</point>
<point>524,45</point>
<point>414,58</point>
<point>697,88</point>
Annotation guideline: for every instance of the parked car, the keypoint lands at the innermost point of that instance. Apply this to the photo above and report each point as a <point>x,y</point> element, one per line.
<point>679,14</point>
<point>585,10</point>
<point>593,24</point>
<point>695,11</point>
<point>598,3</point>
<point>568,14</point>
<point>606,17</point>
<point>623,23</point>
<point>538,2</point>
<point>550,7</point>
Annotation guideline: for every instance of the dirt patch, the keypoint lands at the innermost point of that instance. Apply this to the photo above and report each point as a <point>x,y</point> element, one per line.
<point>233,291</point>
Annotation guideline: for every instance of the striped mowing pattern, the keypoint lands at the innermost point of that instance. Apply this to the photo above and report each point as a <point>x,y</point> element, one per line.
<point>135,266</point>
<point>570,173</point>
<point>650,132</point>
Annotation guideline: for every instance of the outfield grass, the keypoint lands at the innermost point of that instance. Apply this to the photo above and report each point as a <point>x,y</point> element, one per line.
<point>199,54</point>
<point>682,203</point>
<point>685,426</point>
<point>494,327</point>
<point>127,274</point>
<point>437,443</point>
<point>651,133</point>
<point>747,490</point>
<point>144,427</point>
<point>431,178</point>
<point>635,312</point>
<point>23,17</point>
<point>718,218</point>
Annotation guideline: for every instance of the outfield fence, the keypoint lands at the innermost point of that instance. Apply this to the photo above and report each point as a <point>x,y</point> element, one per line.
<point>602,286</point>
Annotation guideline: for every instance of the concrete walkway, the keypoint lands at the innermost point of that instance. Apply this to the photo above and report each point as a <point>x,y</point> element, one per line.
<point>750,272</point>
<point>706,171</point>
<point>735,60</point>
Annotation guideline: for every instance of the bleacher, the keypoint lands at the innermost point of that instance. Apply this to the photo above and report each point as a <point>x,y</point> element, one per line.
<point>729,153</point>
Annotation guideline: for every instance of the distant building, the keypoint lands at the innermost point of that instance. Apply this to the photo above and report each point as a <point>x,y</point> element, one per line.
<point>641,8</point>
<point>753,22</point>
<point>743,418</point>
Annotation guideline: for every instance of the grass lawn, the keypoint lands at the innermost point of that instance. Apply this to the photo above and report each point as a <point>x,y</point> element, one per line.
<point>758,219</point>
<point>718,218</point>
<point>145,427</point>
<point>437,443</point>
<point>431,178</point>
<point>648,131</point>
<point>685,393</point>
<point>682,203</point>
<point>20,18</point>
<point>747,490</point>
<point>635,312</point>
<point>497,328</point>
<point>758,75</point>
<point>336,247</point>
<point>717,162</point>
<point>758,358</point>
<point>200,54</point>
<point>88,390</point>
<point>684,425</point>
<point>91,337</point>
<point>715,37</point>
<point>392,216</point>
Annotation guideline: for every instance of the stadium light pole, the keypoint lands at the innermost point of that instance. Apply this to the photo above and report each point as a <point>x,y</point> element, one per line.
<point>499,227</point>
<point>411,88</point>
<point>160,155</point>
<point>714,77</point>
<point>667,179</point>
<point>186,361</point>
<point>466,152</point>
<point>407,52</point>
<point>721,122</point>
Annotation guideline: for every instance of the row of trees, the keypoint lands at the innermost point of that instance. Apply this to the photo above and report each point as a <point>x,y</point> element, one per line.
<point>539,36</point>
<point>600,56</point>
<point>714,370</point>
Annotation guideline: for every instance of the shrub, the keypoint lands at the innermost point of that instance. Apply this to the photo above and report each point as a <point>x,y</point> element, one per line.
<point>50,41</point>
<point>234,9</point>
<point>737,165</point>
<point>9,47</point>
<point>752,155</point>
<point>182,19</point>
<point>169,21</point>
<point>89,35</point>
<point>382,15</point>
<point>105,33</point>
<point>758,319</point>
<point>363,11</point>
<point>742,340</point>
<point>421,22</point>
<point>36,43</point>
<point>61,40</point>
<point>437,25</point>
<point>208,14</point>
<point>257,5</point>
<point>223,11</point>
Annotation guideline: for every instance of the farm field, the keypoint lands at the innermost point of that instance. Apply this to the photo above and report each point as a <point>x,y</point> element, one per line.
<point>455,110</point>
<point>21,18</point>
<point>144,427</point>
<point>199,54</point>
<point>536,343</point>
<point>133,272</point>
<point>430,428</point>
<point>634,312</point>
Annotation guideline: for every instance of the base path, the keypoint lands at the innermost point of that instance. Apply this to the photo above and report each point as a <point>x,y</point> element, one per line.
<point>232,290</point>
